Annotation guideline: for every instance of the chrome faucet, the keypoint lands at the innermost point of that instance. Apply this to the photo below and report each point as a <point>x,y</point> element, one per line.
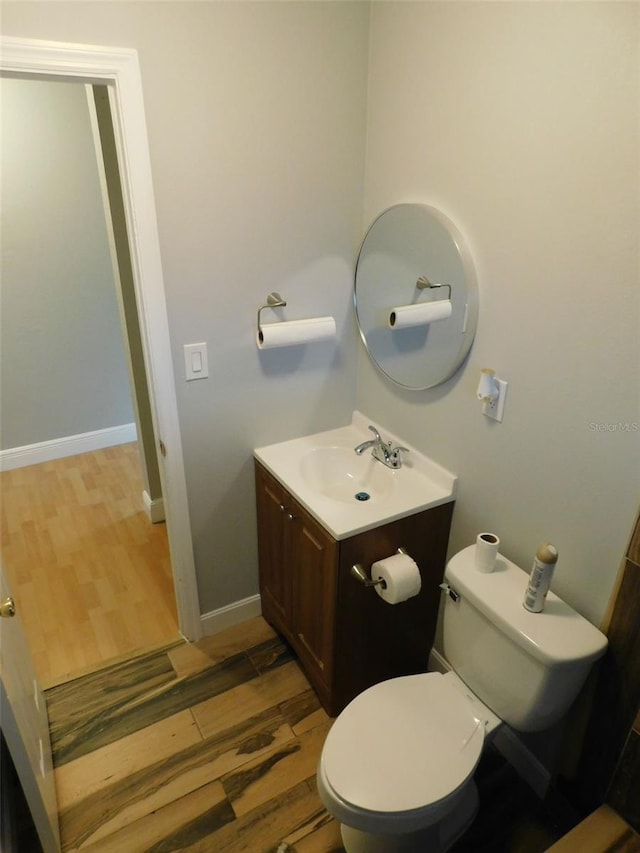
<point>383,452</point>
<point>360,449</point>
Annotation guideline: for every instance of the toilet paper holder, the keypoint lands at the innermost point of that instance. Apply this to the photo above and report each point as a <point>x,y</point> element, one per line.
<point>359,573</point>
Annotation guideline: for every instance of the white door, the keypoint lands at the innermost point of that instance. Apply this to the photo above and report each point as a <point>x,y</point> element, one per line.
<point>23,714</point>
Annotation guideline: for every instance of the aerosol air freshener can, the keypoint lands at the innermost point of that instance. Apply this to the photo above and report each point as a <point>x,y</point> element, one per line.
<point>540,578</point>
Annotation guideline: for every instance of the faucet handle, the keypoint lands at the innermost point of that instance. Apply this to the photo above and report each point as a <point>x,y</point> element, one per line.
<point>375,432</point>
<point>394,455</point>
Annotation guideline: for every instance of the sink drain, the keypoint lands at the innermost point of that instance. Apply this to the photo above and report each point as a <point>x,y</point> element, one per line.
<point>362,496</point>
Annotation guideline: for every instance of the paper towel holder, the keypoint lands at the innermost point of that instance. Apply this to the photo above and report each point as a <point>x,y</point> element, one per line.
<point>359,573</point>
<point>423,283</point>
<point>410,246</point>
<point>274,300</point>
<point>417,313</point>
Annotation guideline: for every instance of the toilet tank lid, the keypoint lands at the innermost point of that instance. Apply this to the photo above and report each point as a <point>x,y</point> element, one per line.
<point>557,635</point>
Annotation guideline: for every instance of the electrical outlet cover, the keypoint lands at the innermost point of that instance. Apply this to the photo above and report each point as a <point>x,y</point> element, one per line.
<point>495,410</point>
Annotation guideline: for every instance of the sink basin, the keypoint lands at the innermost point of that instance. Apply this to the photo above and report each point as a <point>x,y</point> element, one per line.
<point>340,474</point>
<point>347,493</point>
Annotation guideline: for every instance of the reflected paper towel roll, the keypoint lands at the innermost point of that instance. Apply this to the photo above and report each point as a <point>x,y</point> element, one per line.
<point>405,316</point>
<point>292,332</point>
<point>401,578</point>
<point>486,552</point>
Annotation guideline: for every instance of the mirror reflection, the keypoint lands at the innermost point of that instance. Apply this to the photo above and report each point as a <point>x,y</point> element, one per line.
<point>413,261</point>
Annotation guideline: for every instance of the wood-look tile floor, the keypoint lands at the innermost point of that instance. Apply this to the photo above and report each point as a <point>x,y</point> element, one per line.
<point>603,831</point>
<point>90,574</point>
<point>212,747</point>
<point>201,748</point>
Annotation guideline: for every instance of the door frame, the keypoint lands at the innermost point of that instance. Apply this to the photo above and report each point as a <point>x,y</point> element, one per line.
<point>119,69</point>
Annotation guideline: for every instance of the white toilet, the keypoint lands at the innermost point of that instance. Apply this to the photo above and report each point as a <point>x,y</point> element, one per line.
<point>397,765</point>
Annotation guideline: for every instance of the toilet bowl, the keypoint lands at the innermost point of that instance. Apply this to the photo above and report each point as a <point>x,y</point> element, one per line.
<point>397,766</point>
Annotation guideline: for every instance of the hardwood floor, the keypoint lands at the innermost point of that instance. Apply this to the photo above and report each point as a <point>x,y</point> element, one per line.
<point>90,574</point>
<point>604,831</point>
<point>204,747</point>
<point>213,747</point>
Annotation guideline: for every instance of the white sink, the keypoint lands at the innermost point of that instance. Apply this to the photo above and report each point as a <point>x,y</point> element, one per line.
<point>350,493</point>
<point>340,474</point>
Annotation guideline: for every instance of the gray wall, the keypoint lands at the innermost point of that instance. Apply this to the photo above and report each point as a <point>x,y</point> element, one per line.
<point>522,125</point>
<point>256,117</point>
<point>63,369</point>
<point>519,121</point>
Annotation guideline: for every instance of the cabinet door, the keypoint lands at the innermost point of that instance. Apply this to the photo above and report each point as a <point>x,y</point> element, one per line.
<point>275,575</point>
<point>314,577</point>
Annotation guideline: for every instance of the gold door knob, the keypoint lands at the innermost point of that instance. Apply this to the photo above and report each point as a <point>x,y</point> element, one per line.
<point>8,607</point>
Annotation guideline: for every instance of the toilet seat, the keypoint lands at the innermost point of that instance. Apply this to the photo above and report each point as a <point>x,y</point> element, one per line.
<point>416,740</point>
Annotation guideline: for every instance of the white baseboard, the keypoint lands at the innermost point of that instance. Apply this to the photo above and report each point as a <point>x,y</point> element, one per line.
<point>153,508</point>
<point>70,445</point>
<point>231,614</point>
<point>507,742</point>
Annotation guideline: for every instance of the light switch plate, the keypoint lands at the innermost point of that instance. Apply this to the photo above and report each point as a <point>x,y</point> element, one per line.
<point>196,365</point>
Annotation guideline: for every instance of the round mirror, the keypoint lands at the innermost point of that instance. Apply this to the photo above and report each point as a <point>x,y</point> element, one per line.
<point>415,296</point>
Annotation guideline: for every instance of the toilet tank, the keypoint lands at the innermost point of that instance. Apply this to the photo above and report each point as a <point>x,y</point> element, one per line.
<point>527,667</point>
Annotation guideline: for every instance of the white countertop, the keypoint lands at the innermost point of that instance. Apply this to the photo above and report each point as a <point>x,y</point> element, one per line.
<point>320,478</point>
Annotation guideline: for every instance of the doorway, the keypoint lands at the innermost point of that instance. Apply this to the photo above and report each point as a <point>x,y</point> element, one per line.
<point>119,73</point>
<point>76,534</point>
<point>90,571</point>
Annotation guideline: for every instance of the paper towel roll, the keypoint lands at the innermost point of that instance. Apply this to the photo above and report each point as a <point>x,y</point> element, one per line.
<point>401,578</point>
<point>486,552</point>
<point>405,316</point>
<point>291,332</point>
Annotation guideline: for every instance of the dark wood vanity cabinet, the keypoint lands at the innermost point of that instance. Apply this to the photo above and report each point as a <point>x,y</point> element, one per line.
<point>346,637</point>
<point>297,578</point>
<point>274,543</point>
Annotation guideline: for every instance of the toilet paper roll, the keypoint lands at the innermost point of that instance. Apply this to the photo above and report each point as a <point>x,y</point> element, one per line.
<point>291,332</point>
<point>486,552</point>
<point>401,578</point>
<point>405,316</point>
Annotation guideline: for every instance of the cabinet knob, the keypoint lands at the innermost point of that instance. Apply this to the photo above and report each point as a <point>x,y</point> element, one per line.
<point>290,515</point>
